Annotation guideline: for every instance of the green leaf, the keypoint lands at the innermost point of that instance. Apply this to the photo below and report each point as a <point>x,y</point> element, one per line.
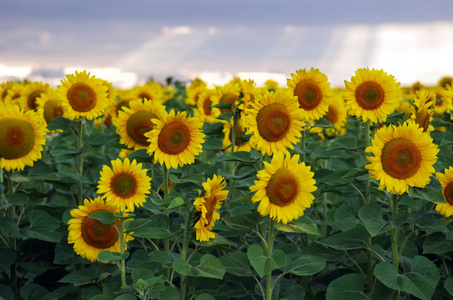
<point>99,139</point>
<point>263,264</point>
<point>42,226</point>
<point>210,267</point>
<point>81,277</point>
<point>348,240</point>
<point>105,217</point>
<point>226,116</point>
<point>59,123</point>
<point>170,293</point>
<point>176,202</point>
<point>237,264</point>
<point>212,144</point>
<point>243,221</point>
<point>305,265</point>
<point>347,287</point>
<point>154,227</point>
<point>108,256</point>
<point>448,285</point>
<point>301,225</point>
<point>126,297</point>
<point>8,256</point>
<point>240,156</point>
<point>371,216</point>
<point>204,296</point>
<point>322,122</point>
<point>386,273</point>
<point>345,217</point>
<point>427,194</point>
<point>436,243</point>
<point>347,143</point>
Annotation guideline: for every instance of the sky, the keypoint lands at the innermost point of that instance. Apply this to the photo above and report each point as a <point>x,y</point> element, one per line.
<point>130,41</point>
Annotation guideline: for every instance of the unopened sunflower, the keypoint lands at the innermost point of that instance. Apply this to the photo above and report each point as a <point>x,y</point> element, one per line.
<point>134,121</point>
<point>372,95</point>
<point>274,122</point>
<point>284,189</point>
<point>313,91</point>
<point>208,205</point>
<point>83,95</point>
<point>21,137</point>
<point>175,140</point>
<point>124,185</point>
<point>403,156</point>
<point>90,236</point>
<point>446,180</point>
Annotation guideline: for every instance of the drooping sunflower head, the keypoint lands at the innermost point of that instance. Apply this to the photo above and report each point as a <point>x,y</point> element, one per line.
<point>208,205</point>
<point>50,105</point>
<point>446,181</point>
<point>21,137</point>
<point>83,95</point>
<point>124,185</point>
<point>175,140</point>
<point>312,90</point>
<point>403,156</point>
<point>284,188</point>
<point>134,121</point>
<point>30,93</point>
<point>205,111</point>
<point>422,109</point>
<point>274,122</point>
<point>372,95</point>
<point>89,235</point>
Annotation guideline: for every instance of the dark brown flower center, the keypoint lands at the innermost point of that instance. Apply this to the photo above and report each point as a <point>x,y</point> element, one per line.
<point>52,109</point>
<point>282,188</point>
<point>174,138</point>
<point>448,193</point>
<point>17,138</point>
<point>138,124</point>
<point>31,101</point>
<point>81,97</point>
<point>207,106</point>
<point>401,158</point>
<point>369,95</point>
<point>332,115</point>
<point>273,122</point>
<point>121,105</point>
<point>97,234</point>
<point>228,98</point>
<point>308,94</point>
<point>422,118</point>
<point>145,96</point>
<point>210,207</point>
<point>124,185</point>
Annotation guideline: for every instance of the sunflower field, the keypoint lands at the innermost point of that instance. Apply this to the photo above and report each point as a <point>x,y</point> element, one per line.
<point>181,191</point>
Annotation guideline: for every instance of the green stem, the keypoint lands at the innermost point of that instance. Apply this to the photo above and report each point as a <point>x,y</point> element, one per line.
<point>367,200</point>
<point>185,246</point>
<point>123,247</point>
<point>270,249</point>
<point>80,162</point>
<point>12,240</point>
<point>394,241</point>
<point>303,144</point>
<point>167,240</point>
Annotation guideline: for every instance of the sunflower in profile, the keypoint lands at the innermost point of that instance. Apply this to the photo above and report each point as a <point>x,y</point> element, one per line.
<point>175,140</point>
<point>30,93</point>
<point>124,185</point>
<point>134,121</point>
<point>372,95</point>
<point>284,189</point>
<point>274,122</point>
<point>90,236</point>
<point>446,181</point>
<point>83,95</point>
<point>205,111</point>
<point>208,205</point>
<point>240,143</point>
<point>111,91</point>
<point>50,105</point>
<point>21,137</point>
<point>422,110</point>
<point>403,156</point>
<point>313,91</point>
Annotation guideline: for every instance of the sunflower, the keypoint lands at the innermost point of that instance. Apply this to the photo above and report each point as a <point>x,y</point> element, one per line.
<point>175,140</point>
<point>284,188</point>
<point>13,93</point>
<point>125,185</point>
<point>313,92</point>
<point>83,95</point>
<point>228,93</point>
<point>275,122</point>
<point>205,111</point>
<point>133,122</point>
<point>111,91</point>
<point>403,156</point>
<point>336,115</point>
<point>208,206</point>
<point>49,105</point>
<point>192,93</point>
<point>446,180</point>
<point>90,236</point>
<point>372,95</point>
<point>443,100</point>
<point>422,110</point>
<point>30,93</point>
<point>152,92</point>
<point>119,104</point>
<point>240,143</point>
<point>4,87</point>
<point>21,137</point>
